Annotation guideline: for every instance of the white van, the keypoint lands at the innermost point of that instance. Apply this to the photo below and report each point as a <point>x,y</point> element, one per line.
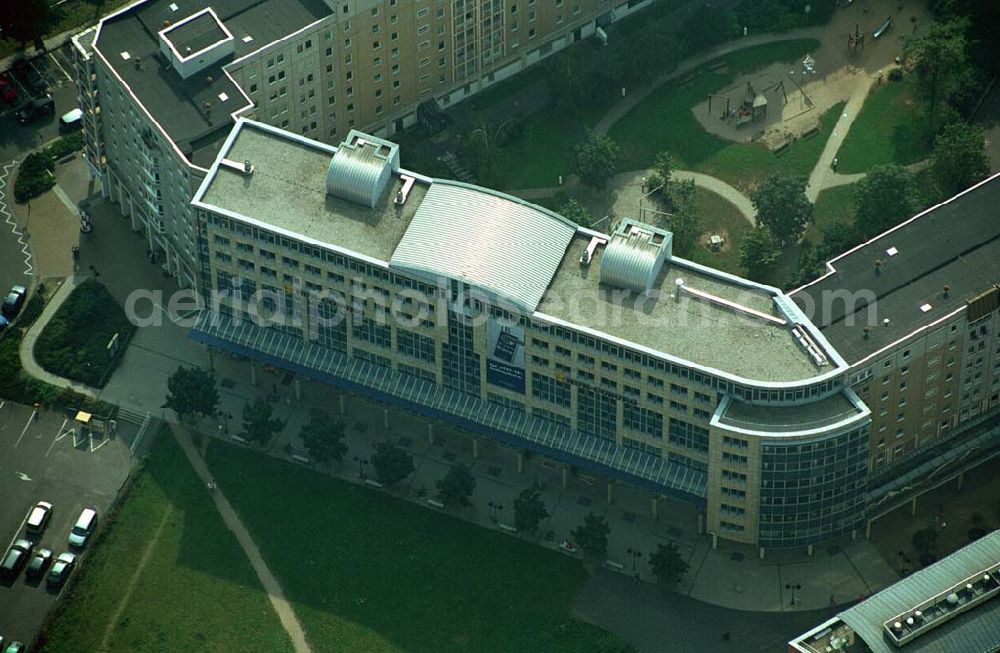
<point>84,526</point>
<point>71,120</point>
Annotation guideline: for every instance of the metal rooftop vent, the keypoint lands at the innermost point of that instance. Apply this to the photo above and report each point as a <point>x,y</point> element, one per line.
<point>361,168</point>
<point>634,256</point>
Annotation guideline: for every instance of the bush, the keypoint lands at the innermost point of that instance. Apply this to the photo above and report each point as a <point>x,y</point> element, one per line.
<point>74,343</point>
<point>782,15</point>
<point>34,177</point>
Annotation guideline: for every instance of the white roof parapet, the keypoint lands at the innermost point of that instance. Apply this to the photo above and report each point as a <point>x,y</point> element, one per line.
<point>361,167</point>
<point>634,256</point>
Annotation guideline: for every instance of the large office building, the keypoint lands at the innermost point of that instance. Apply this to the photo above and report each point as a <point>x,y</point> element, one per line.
<point>161,82</point>
<point>785,417</point>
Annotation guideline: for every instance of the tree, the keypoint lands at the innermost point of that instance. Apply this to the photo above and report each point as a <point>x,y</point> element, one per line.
<point>573,210</point>
<point>27,20</point>
<point>323,437</point>
<point>959,158</point>
<point>484,145</point>
<point>668,564</point>
<point>190,391</point>
<point>940,59</point>
<point>783,207</point>
<point>592,536</point>
<point>564,77</point>
<point>924,540</point>
<point>664,166</point>
<point>884,198</point>
<point>707,25</point>
<point>391,463</point>
<point>258,424</point>
<point>759,253</point>
<point>456,487</point>
<point>596,159</point>
<point>529,509</point>
<point>683,222</point>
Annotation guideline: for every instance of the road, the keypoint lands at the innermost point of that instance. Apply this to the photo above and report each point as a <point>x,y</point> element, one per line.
<point>17,140</point>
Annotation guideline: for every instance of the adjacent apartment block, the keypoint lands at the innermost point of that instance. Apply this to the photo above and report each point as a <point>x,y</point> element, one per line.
<point>161,82</point>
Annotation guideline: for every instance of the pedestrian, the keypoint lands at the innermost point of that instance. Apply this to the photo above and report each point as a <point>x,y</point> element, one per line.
<point>835,162</point>
<point>274,388</point>
<point>833,600</point>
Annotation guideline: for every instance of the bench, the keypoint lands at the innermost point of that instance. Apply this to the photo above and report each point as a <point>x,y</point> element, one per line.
<point>617,566</point>
<point>434,503</point>
<point>300,459</point>
<point>372,482</point>
<point>508,528</point>
<point>237,439</point>
<point>809,133</point>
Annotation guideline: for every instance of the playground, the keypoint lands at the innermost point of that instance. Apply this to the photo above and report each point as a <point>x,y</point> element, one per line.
<point>784,102</point>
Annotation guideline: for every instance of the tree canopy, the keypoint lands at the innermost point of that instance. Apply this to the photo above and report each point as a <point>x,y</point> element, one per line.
<point>259,425</point>
<point>323,437</point>
<point>759,253</point>
<point>529,509</point>
<point>959,158</point>
<point>592,536</point>
<point>191,391</point>
<point>885,197</point>
<point>782,206</point>
<point>457,486</point>
<point>939,56</point>
<point>573,210</point>
<point>392,464</point>
<point>27,21</point>
<point>668,564</point>
<point>596,159</point>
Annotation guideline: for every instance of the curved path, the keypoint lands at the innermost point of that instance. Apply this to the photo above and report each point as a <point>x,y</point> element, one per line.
<point>717,186</point>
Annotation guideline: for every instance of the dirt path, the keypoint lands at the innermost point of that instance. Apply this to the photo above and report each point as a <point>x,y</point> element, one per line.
<point>146,555</point>
<point>267,579</point>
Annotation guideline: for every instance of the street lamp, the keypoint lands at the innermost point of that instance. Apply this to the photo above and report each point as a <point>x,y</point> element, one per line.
<point>361,466</point>
<point>635,556</point>
<point>497,508</point>
<point>793,587</point>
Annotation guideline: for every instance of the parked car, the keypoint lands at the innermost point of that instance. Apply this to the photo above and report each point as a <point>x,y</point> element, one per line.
<point>35,109</point>
<point>39,563</point>
<point>7,91</point>
<point>38,518</point>
<point>4,323</point>
<point>13,302</point>
<point>85,525</point>
<point>61,569</point>
<point>71,120</point>
<point>16,557</point>
<point>15,647</point>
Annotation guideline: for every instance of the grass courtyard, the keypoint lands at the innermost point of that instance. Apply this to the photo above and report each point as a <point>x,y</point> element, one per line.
<point>718,216</point>
<point>664,121</point>
<point>891,128</point>
<point>196,591</point>
<point>367,572</point>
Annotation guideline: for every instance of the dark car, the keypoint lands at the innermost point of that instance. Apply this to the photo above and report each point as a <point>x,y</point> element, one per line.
<point>7,91</point>
<point>38,518</point>
<point>61,569</point>
<point>39,564</point>
<point>15,558</point>
<point>13,302</point>
<point>15,647</point>
<point>37,108</point>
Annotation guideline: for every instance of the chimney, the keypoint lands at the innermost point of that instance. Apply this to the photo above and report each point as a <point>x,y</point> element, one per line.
<point>878,266</point>
<point>868,331</point>
<point>946,289</point>
<point>247,167</point>
<point>678,287</point>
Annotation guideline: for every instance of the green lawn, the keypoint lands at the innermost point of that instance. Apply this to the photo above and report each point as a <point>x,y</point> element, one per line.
<point>718,216</point>
<point>197,592</point>
<point>368,572</point>
<point>889,129</point>
<point>664,122</point>
<point>832,205</point>
<point>74,342</point>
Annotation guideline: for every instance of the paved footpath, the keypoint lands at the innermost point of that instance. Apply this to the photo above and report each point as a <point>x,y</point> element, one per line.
<point>267,579</point>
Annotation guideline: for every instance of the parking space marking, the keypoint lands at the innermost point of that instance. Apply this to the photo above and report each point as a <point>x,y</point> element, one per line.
<point>56,61</point>
<point>25,429</point>
<point>59,436</point>
<point>17,532</point>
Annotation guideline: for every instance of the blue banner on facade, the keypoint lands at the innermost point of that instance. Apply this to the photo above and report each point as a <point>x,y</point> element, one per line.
<point>505,356</point>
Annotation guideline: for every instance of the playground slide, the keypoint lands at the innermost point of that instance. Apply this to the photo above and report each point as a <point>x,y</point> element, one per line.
<point>883,28</point>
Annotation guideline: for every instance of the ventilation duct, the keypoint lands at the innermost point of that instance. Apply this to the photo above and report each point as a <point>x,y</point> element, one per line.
<point>361,168</point>
<point>634,256</point>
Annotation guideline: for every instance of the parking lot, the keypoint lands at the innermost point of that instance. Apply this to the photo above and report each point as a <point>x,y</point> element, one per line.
<point>42,75</point>
<point>44,458</point>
